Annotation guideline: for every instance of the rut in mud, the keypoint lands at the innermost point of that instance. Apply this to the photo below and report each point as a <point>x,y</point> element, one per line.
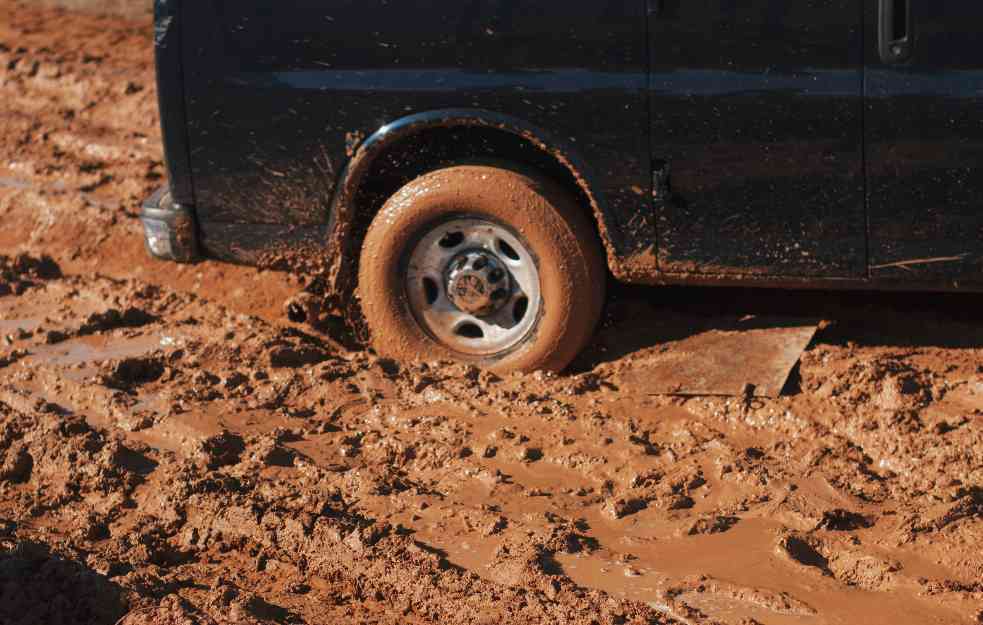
<point>174,450</point>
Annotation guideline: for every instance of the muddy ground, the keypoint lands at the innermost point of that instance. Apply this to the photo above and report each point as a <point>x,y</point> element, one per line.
<point>130,9</point>
<point>173,450</point>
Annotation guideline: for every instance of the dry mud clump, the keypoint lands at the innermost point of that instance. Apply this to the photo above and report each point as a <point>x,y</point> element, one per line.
<point>174,451</point>
<point>202,465</point>
<point>23,271</point>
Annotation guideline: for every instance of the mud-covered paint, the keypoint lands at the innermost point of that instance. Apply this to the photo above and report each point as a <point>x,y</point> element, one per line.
<point>278,247</point>
<point>924,141</point>
<point>272,88</point>
<point>715,142</point>
<point>170,93</point>
<point>757,106</point>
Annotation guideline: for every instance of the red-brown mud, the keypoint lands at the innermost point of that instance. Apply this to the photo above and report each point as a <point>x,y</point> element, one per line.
<point>173,450</point>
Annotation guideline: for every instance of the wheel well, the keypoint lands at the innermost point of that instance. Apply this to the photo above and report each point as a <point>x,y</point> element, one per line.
<point>409,157</point>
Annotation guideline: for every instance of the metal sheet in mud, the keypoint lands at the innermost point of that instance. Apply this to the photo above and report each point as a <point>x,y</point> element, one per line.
<point>724,358</point>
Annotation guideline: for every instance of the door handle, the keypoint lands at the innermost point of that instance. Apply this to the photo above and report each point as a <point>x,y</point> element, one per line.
<point>894,31</point>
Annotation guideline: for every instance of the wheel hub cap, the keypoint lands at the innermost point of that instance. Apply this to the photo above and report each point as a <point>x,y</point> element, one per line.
<point>477,283</point>
<point>473,285</point>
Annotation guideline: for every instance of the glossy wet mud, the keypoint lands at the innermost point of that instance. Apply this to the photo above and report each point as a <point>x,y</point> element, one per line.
<point>173,450</point>
<point>204,463</point>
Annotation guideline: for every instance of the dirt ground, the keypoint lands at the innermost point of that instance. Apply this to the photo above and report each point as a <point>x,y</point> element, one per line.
<point>131,9</point>
<point>174,451</point>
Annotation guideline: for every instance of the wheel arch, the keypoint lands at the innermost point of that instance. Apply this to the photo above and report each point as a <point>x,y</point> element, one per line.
<point>406,148</point>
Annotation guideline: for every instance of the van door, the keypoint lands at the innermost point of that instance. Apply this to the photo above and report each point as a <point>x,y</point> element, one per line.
<point>279,94</point>
<point>924,137</point>
<point>756,116</point>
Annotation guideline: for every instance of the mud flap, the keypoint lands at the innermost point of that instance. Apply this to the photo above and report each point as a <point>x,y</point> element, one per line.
<point>169,228</point>
<point>750,356</point>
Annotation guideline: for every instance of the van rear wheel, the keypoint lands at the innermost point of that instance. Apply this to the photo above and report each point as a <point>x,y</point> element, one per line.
<point>484,264</point>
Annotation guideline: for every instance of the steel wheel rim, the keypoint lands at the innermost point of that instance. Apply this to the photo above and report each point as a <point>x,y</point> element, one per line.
<point>430,271</point>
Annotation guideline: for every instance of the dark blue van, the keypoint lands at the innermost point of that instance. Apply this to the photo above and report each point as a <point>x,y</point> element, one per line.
<point>479,168</point>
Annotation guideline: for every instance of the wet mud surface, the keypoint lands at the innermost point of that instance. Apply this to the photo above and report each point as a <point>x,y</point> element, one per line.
<point>174,450</point>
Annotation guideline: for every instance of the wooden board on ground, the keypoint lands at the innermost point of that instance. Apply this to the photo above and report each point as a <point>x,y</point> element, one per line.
<point>751,355</point>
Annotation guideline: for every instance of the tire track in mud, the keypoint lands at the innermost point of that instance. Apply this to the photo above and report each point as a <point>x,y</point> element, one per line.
<point>258,464</point>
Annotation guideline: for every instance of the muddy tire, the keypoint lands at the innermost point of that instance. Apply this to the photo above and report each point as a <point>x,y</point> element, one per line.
<point>483,264</point>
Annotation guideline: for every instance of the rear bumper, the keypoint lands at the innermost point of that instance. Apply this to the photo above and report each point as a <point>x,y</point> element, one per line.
<point>169,228</point>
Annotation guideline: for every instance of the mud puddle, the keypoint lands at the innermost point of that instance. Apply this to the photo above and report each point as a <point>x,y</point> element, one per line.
<point>92,350</point>
<point>745,573</point>
<point>15,328</point>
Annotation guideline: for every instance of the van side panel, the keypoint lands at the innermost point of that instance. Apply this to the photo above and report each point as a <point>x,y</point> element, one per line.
<point>757,109</point>
<point>170,94</point>
<point>281,94</point>
<point>924,139</point>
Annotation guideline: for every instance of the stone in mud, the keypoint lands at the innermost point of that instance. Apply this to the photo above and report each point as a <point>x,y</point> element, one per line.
<point>221,450</point>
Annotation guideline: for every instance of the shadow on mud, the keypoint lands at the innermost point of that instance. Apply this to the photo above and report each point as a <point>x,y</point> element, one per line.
<point>637,318</point>
<point>38,586</point>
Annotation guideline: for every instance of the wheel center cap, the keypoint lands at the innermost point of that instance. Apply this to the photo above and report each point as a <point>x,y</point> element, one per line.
<point>470,291</point>
<point>477,282</point>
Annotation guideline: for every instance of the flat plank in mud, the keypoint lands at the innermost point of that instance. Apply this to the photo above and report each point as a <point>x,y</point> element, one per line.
<point>724,358</point>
